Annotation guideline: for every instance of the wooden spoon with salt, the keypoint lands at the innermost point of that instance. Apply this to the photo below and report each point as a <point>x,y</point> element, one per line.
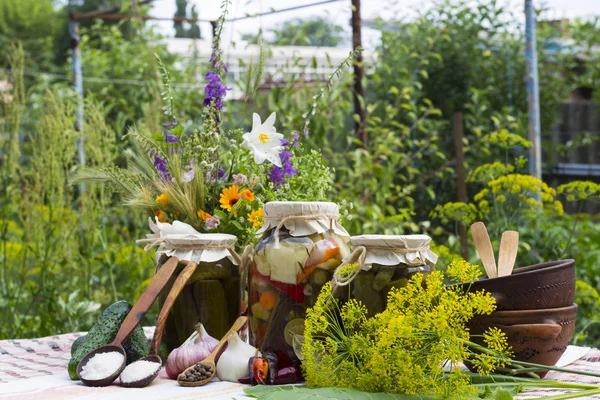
<point>209,362</point>
<point>153,356</point>
<point>132,320</point>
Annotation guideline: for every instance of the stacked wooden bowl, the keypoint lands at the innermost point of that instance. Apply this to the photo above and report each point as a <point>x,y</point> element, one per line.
<point>535,308</point>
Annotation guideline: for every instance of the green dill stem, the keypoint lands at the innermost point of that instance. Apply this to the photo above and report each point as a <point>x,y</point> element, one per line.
<point>572,395</point>
<point>353,54</point>
<point>572,231</point>
<point>527,364</point>
<point>534,383</point>
<point>552,368</point>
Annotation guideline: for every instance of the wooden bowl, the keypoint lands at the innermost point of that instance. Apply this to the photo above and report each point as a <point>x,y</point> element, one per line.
<point>540,286</point>
<point>536,336</point>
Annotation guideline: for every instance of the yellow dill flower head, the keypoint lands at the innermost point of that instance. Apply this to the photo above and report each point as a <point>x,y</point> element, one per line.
<point>463,271</point>
<point>580,190</point>
<point>479,196</point>
<point>256,218</point>
<point>229,196</point>
<point>457,212</point>
<point>495,339</point>
<point>487,172</point>
<point>506,140</point>
<point>163,199</point>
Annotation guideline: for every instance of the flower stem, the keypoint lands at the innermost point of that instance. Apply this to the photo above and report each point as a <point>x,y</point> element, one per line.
<point>572,395</point>
<point>552,368</point>
<point>518,364</point>
<point>538,384</point>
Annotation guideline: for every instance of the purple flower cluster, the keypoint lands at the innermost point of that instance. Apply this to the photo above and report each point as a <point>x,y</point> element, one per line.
<point>169,137</point>
<point>215,90</point>
<point>161,166</point>
<point>278,174</point>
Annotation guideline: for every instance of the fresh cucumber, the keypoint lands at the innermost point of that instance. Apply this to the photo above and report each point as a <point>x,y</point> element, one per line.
<point>104,332</point>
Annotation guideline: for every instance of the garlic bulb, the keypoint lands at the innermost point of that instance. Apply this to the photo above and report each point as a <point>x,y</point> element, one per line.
<point>203,336</point>
<point>196,348</point>
<point>233,363</point>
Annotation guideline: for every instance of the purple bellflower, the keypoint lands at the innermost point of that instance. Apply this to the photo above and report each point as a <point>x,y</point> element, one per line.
<point>277,174</point>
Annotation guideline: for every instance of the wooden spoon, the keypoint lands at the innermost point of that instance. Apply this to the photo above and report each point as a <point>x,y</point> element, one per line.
<point>509,246</point>
<point>484,248</point>
<point>209,361</point>
<point>132,320</point>
<point>153,356</point>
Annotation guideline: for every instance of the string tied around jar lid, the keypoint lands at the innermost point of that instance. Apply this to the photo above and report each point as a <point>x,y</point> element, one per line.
<point>311,217</point>
<point>153,242</point>
<point>358,256</point>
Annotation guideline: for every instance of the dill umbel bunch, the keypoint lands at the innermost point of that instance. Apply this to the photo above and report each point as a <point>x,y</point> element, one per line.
<point>403,349</point>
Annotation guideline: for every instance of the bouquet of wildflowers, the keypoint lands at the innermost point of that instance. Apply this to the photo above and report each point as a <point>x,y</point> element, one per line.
<point>212,179</point>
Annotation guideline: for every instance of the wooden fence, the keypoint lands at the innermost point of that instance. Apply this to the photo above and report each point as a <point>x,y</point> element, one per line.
<point>580,163</point>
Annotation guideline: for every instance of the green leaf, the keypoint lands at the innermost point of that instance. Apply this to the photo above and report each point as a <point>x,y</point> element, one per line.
<point>238,225</point>
<point>222,216</point>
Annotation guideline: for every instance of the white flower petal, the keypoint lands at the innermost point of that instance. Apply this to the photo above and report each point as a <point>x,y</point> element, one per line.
<point>274,158</point>
<point>259,156</point>
<point>255,121</point>
<point>268,125</point>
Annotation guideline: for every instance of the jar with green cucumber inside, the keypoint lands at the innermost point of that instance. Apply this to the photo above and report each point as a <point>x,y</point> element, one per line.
<point>302,244</point>
<point>381,263</point>
<point>212,294</point>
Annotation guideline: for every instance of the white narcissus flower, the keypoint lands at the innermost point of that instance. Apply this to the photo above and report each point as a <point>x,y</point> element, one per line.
<point>264,141</point>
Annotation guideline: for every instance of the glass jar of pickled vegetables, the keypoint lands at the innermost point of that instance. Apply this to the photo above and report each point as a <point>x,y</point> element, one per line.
<point>383,262</point>
<point>302,244</point>
<point>212,295</point>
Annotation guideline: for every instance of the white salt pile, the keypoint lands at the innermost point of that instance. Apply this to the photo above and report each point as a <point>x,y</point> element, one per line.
<point>139,370</point>
<point>102,365</point>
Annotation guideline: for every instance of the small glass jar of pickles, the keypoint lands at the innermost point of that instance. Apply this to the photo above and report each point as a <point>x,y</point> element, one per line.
<point>212,295</point>
<point>302,244</point>
<point>384,262</point>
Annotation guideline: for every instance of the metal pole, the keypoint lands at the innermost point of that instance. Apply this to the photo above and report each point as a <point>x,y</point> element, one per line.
<point>359,72</point>
<point>533,92</point>
<point>78,86</point>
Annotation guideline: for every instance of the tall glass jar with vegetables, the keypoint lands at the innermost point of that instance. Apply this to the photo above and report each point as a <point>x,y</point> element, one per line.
<point>382,262</point>
<point>212,295</point>
<point>302,244</point>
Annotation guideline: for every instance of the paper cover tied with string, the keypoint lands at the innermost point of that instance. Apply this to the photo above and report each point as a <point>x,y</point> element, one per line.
<point>410,250</point>
<point>181,240</point>
<point>303,218</point>
<point>382,262</point>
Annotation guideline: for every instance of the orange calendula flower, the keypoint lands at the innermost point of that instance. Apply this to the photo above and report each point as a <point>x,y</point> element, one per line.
<point>161,215</point>
<point>229,196</point>
<point>247,195</point>
<point>256,218</point>
<point>204,215</point>
<point>163,199</point>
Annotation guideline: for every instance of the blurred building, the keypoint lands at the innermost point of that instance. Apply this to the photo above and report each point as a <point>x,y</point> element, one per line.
<point>301,63</point>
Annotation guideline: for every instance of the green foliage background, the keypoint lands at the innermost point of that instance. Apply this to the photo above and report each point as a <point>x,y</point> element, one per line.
<point>65,253</point>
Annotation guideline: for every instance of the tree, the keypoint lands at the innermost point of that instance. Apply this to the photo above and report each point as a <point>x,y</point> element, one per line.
<point>35,24</point>
<point>180,30</point>
<point>317,31</point>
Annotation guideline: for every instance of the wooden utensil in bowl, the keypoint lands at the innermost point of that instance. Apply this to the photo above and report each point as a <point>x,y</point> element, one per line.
<point>484,248</point>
